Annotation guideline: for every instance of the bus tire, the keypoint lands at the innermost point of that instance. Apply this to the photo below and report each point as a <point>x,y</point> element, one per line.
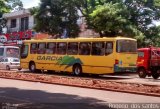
<point>32,67</point>
<point>7,67</point>
<point>77,69</point>
<point>142,73</point>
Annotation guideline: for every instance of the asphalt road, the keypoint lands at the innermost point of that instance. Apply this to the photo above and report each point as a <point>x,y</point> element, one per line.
<point>35,95</point>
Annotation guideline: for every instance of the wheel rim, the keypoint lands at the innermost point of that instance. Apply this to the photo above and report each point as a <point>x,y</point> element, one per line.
<point>32,67</point>
<point>77,71</point>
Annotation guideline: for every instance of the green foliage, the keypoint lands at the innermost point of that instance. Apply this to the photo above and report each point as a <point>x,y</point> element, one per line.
<point>15,4</point>
<point>3,7</point>
<point>69,61</point>
<point>53,16</point>
<point>111,20</point>
<point>152,36</point>
<point>130,18</point>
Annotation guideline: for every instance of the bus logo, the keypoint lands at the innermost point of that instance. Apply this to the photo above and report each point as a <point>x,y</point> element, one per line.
<point>69,61</point>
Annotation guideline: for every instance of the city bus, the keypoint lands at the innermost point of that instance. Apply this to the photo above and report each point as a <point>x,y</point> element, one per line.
<point>80,55</point>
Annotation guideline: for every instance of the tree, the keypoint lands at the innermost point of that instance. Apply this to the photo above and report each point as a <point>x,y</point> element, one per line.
<point>15,5</point>
<point>111,20</point>
<point>132,18</point>
<point>152,36</point>
<point>8,5</point>
<point>142,14</point>
<point>56,16</point>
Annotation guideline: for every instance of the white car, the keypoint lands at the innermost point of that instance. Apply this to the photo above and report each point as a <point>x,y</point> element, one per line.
<point>10,63</point>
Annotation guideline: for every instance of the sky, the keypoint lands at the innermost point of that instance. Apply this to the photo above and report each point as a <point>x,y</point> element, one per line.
<point>30,3</point>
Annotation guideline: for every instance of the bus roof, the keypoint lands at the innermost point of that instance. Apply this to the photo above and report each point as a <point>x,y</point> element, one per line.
<point>80,39</point>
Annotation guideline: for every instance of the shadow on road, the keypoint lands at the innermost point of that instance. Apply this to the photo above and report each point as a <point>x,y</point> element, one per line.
<point>36,99</point>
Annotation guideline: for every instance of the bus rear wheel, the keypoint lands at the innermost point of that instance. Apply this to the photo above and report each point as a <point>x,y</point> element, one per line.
<point>142,73</point>
<point>77,70</point>
<point>32,67</point>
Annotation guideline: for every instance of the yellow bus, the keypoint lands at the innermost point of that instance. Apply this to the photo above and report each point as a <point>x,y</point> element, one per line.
<point>80,55</point>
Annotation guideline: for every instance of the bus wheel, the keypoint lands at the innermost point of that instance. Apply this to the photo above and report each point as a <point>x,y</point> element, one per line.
<point>32,67</point>
<point>7,67</point>
<point>142,73</point>
<point>155,75</point>
<point>77,69</point>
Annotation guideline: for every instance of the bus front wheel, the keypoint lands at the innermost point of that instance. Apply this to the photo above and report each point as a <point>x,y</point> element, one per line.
<point>77,70</point>
<point>142,73</point>
<point>32,67</point>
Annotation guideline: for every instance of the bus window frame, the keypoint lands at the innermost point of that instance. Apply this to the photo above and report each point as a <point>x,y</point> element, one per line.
<point>102,50</point>
<point>51,50</point>
<point>60,52</point>
<point>85,53</point>
<point>41,50</point>
<point>77,51</point>
<point>117,44</point>
<point>33,51</point>
<point>106,48</point>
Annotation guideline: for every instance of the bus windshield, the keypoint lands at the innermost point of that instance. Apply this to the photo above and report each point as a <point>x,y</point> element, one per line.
<point>126,46</point>
<point>12,52</point>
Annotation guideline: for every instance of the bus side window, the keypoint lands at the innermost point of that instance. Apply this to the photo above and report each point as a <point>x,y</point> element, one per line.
<point>51,48</point>
<point>98,48</point>
<point>33,49</point>
<point>84,48</point>
<point>109,48</point>
<point>61,48</point>
<point>41,48</point>
<point>72,48</point>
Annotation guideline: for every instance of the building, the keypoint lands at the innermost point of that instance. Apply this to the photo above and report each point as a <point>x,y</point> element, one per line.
<point>19,21</point>
<point>20,25</point>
